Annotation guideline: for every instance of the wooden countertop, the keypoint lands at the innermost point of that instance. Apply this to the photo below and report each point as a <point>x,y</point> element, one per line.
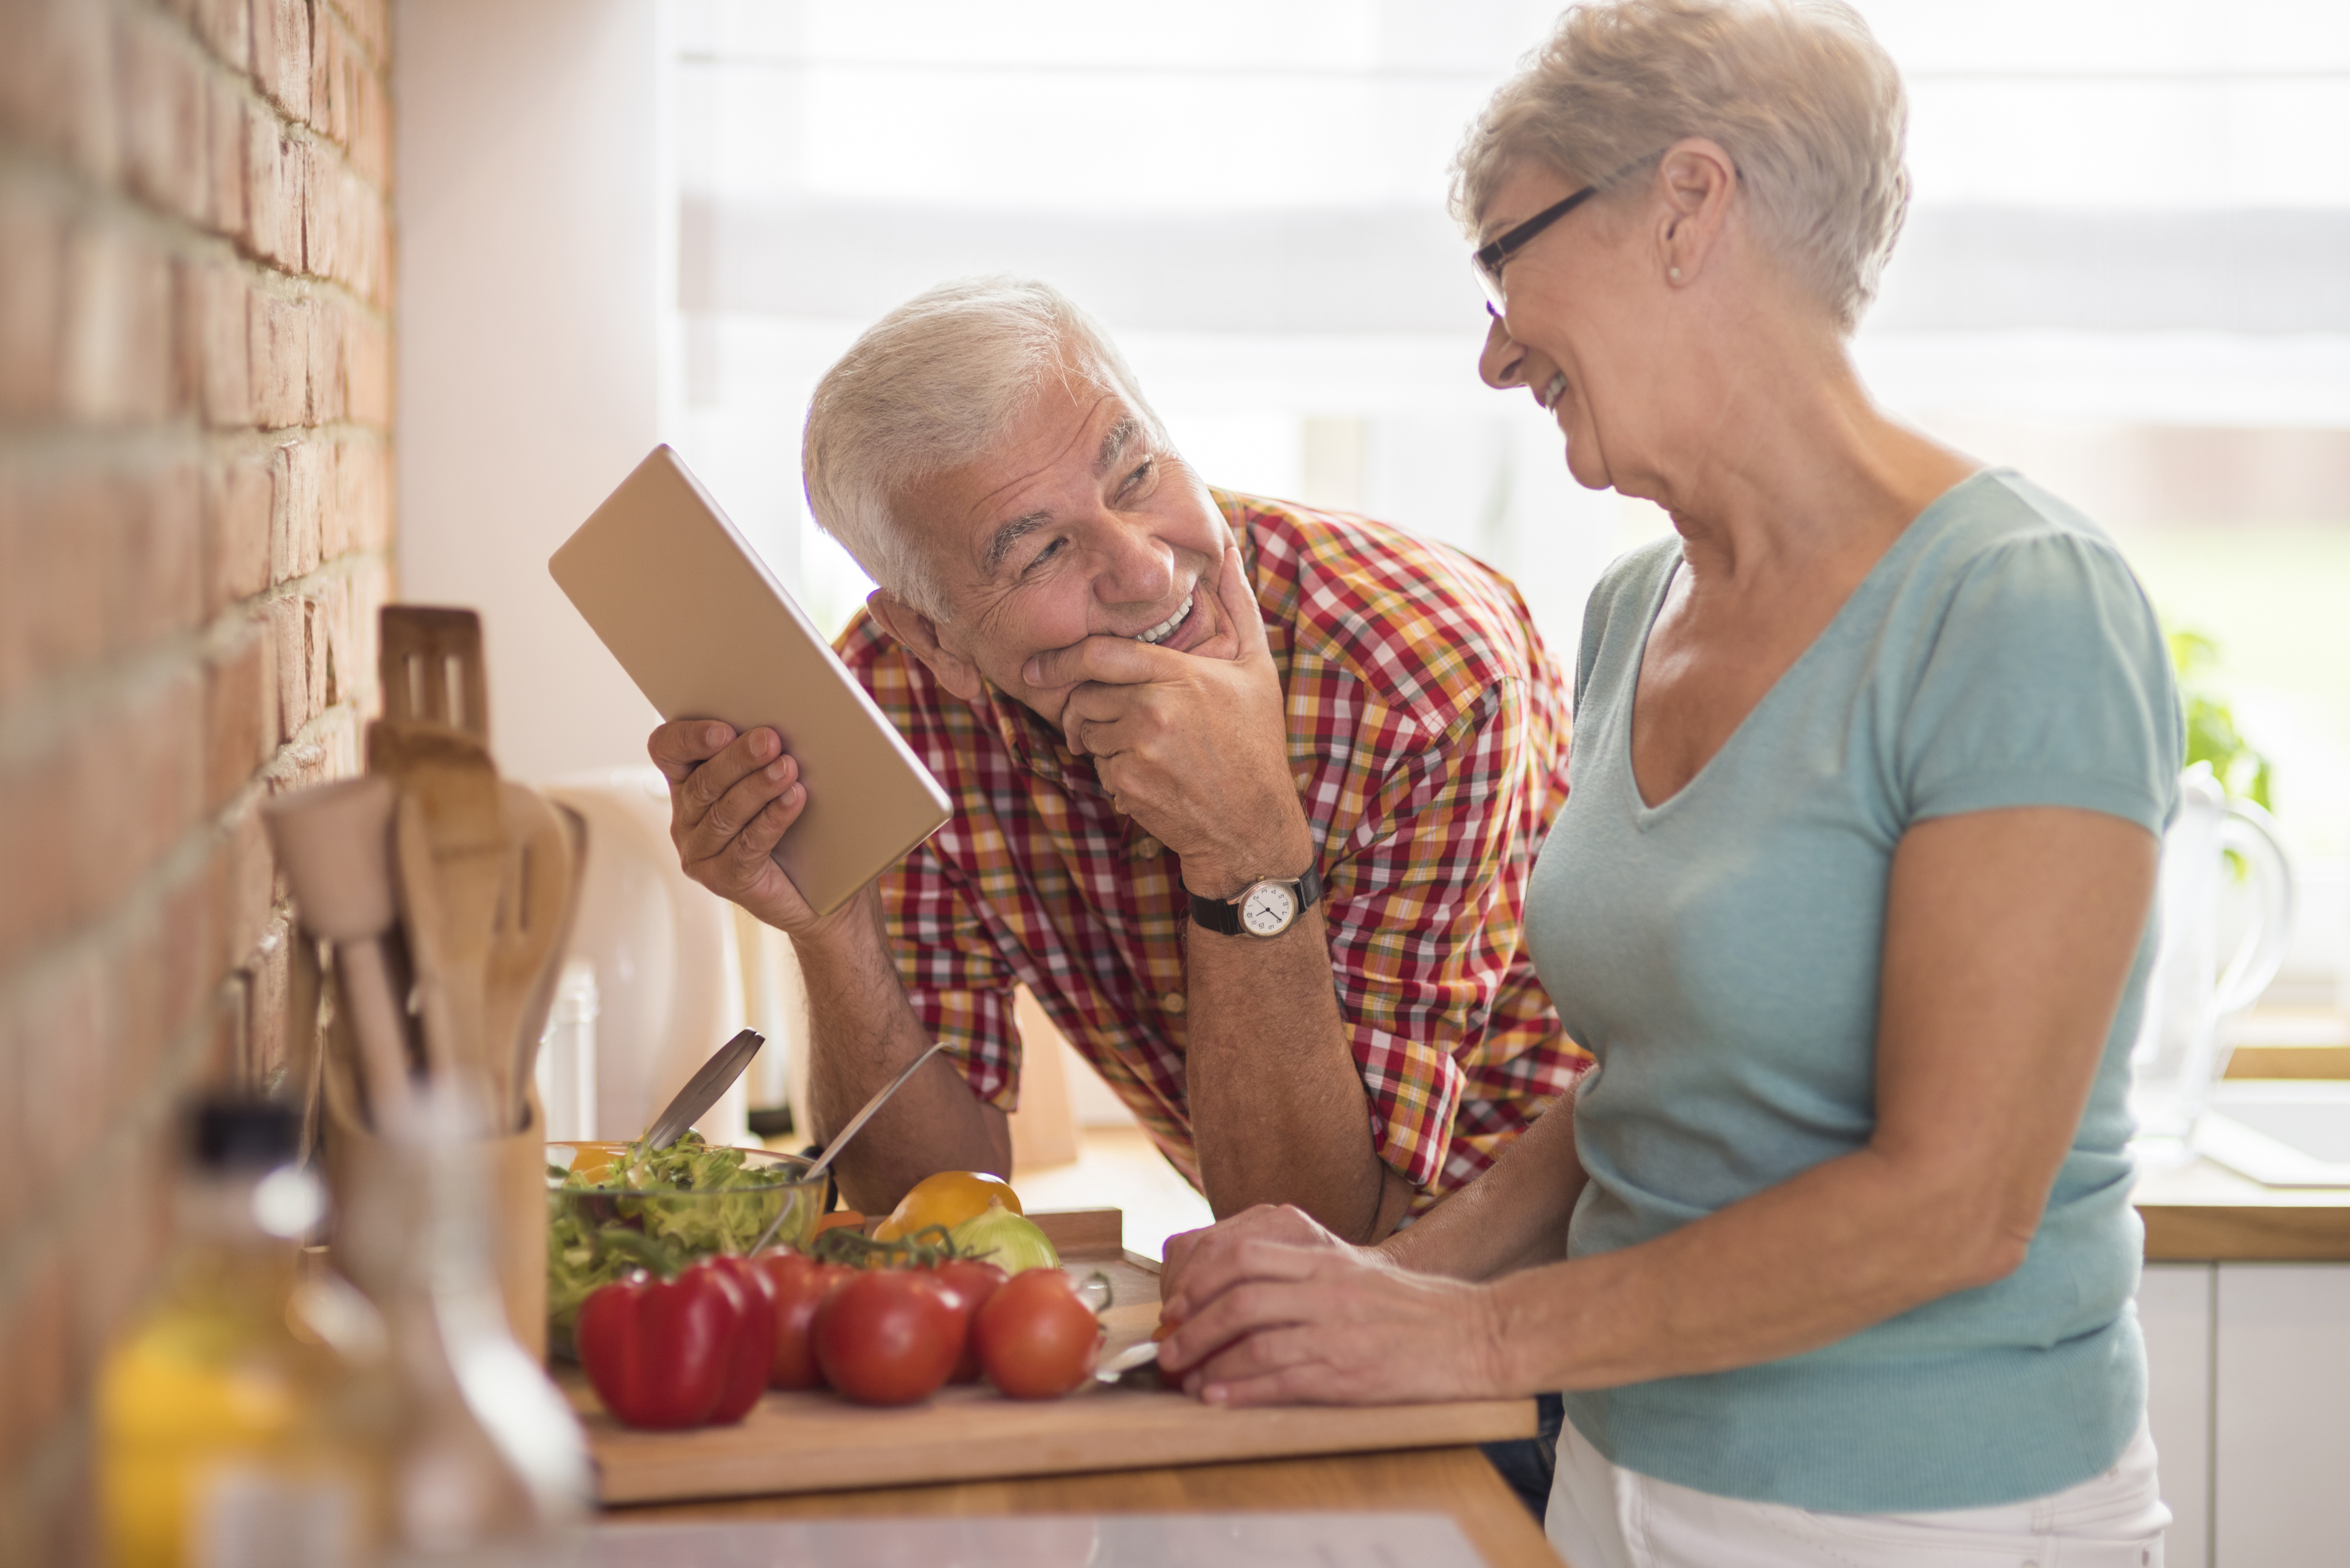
<point>2205,1213</point>
<point>1454,1481</point>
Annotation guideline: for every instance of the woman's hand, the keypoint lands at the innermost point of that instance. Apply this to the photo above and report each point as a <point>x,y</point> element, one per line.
<point>1269,1308</point>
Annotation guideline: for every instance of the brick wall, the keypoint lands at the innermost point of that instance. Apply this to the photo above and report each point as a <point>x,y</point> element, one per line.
<point>195,395</point>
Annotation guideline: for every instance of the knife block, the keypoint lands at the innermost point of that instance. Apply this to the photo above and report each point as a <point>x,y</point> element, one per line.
<point>364,1173</point>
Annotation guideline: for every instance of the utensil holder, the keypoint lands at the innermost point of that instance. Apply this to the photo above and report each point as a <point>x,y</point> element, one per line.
<point>363,1173</point>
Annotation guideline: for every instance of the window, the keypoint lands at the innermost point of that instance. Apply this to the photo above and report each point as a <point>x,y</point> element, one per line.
<point>2126,272</point>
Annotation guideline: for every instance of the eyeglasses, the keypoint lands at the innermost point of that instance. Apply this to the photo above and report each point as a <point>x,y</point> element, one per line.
<point>1487,263</point>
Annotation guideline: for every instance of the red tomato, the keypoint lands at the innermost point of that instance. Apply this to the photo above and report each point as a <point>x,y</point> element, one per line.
<point>800,1284</point>
<point>971,1280</point>
<point>755,1346</point>
<point>1037,1339</point>
<point>661,1353</point>
<point>887,1336</point>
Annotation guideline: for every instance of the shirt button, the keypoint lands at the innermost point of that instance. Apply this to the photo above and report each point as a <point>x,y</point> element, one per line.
<point>1147,847</point>
<point>1172,1002</point>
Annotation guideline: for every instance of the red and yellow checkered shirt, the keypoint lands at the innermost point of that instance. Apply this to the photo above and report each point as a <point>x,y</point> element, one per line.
<point>1428,734</point>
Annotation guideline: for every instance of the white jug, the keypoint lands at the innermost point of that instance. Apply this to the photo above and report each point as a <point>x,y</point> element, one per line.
<point>2179,1056</point>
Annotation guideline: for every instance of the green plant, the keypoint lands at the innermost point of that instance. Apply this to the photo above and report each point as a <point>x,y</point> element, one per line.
<point>2211,734</point>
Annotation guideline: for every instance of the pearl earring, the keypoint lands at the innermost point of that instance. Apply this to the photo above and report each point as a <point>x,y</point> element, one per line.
<point>1675,275</point>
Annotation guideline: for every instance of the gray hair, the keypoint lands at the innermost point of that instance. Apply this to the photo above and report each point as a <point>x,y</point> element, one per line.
<point>1798,92</point>
<point>932,386</point>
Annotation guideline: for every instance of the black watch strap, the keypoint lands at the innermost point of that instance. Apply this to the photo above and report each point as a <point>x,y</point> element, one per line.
<point>1223,916</point>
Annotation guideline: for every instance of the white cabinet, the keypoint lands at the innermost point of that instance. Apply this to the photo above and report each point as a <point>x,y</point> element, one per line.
<point>2174,1309</point>
<point>2281,1416</point>
<point>2248,1397</point>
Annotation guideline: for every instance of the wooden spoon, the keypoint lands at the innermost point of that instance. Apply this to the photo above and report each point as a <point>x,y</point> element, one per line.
<point>534,921</point>
<point>433,741</point>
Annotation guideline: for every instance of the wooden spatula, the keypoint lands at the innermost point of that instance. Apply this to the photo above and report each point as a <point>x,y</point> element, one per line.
<point>433,742</point>
<point>429,660</point>
<point>534,919</point>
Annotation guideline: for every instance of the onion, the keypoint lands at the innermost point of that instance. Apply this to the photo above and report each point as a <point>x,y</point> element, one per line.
<point>1010,1242</point>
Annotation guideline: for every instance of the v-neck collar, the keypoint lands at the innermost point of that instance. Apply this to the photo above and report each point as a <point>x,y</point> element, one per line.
<point>1868,588</point>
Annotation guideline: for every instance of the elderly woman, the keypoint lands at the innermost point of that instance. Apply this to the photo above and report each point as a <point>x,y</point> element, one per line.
<point>1832,1252</point>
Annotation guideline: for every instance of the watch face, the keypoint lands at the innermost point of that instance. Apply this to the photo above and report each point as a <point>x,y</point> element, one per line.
<point>1268,909</point>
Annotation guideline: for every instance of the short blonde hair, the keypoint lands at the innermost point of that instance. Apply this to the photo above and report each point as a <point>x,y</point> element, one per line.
<point>1798,92</point>
<point>931,387</point>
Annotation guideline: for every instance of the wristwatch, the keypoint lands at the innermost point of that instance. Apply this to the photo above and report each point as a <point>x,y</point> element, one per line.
<point>1261,909</point>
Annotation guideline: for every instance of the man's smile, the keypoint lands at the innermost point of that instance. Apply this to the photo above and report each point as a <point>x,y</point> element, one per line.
<point>1166,628</point>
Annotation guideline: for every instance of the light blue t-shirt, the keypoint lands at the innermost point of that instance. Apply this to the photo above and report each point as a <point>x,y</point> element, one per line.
<point>1719,955</point>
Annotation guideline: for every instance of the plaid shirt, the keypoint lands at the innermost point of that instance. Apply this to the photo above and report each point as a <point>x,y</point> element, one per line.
<point>1427,735</point>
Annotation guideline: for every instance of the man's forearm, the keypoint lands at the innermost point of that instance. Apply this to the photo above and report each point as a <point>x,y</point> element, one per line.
<point>1513,1217</point>
<point>1278,1111</point>
<point>862,1033</point>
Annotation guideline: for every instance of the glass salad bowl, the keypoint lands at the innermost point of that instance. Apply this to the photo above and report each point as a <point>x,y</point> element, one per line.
<point>613,1208</point>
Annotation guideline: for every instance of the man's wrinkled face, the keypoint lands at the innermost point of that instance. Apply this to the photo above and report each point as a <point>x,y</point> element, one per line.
<point>1081,523</point>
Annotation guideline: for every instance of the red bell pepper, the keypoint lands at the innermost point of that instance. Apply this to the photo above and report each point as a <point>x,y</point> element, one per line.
<point>755,1343</point>
<point>662,1352</point>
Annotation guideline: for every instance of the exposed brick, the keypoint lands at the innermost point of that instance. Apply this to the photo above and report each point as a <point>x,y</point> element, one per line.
<point>163,103</point>
<point>226,30</point>
<point>240,710</point>
<point>293,623</point>
<point>274,164</point>
<point>332,68</point>
<point>279,339</point>
<point>329,388</point>
<point>321,210</point>
<point>370,23</point>
<point>80,824</point>
<point>117,361</point>
<point>371,129</point>
<point>225,157</point>
<point>57,81</point>
<point>115,1259</point>
<point>281,54</point>
<point>238,499</point>
<point>216,341</point>
<point>362,496</point>
<point>39,1326</point>
<point>143,930</point>
<point>296,472</point>
<point>245,886</point>
<point>367,371</point>
<point>32,299</point>
<point>160,592</point>
<point>61,539</point>
<point>265,1011</point>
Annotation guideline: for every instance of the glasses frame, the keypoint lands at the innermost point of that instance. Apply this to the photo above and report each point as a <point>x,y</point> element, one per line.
<point>1487,259</point>
<point>1486,262</point>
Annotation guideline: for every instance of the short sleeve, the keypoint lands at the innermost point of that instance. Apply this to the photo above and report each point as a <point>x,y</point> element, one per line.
<point>955,980</point>
<point>2047,683</point>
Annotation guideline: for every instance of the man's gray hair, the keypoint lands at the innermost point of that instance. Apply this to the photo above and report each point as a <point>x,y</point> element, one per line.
<point>931,386</point>
<point>1798,92</point>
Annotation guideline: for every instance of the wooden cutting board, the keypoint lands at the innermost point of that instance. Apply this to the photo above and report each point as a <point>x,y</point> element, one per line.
<point>818,1442</point>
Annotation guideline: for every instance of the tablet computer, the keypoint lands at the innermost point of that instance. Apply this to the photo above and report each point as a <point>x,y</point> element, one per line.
<point>706,632</point>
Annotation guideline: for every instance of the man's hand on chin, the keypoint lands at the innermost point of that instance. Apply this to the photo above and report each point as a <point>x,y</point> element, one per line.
<point>1193,746</point>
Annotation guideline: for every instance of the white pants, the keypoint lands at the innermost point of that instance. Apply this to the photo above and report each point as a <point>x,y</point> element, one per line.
<point>1603,1516</point>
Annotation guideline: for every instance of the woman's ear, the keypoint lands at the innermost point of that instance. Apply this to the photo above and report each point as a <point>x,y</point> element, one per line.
<point>920,634</point>
<point>1698,181</point>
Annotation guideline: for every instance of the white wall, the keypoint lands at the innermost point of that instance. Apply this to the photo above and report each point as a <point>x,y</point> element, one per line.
<point>533,271</point>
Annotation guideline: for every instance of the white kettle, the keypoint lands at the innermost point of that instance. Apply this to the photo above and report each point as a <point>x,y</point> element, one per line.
<point>2179,1056</point>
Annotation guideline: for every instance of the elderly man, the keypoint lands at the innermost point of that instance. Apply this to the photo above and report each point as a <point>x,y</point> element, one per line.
<point>1245,795</point>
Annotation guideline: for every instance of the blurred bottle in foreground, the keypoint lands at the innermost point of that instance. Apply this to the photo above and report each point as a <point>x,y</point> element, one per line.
<point>491,1464</point>
<point>244,1422</point>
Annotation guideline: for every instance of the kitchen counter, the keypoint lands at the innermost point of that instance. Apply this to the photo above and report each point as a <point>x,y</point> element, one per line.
<point>1454,1481</point>
<point>2205,1213</point>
